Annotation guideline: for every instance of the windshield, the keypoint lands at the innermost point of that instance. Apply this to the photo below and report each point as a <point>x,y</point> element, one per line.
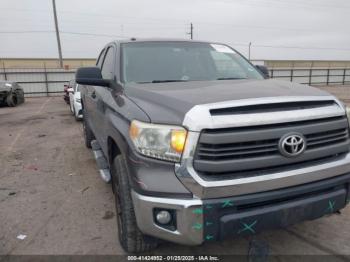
<point>147,62</point>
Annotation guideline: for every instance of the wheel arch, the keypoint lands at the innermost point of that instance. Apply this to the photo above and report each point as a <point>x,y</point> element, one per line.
<point>113,149</point>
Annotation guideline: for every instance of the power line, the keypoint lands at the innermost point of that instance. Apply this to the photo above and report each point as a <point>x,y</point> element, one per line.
<point>281,4</point>
<point>257,26</point>
<point>232,43</point>
<point>27,32</point>
<point>92,34</point>
<point>308,47</point>
<point>157,20</point>
<point>292,47</point>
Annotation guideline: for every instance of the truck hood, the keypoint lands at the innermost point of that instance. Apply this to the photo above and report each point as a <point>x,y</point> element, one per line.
<point>169,102</point>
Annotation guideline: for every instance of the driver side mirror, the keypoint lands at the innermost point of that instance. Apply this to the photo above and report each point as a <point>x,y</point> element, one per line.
<point>264,70</point>
<point>91,76</point>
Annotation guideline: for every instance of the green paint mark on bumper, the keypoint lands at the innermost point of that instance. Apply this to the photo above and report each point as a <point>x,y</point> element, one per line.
<point>198,211</point>
<point>197,226</point>
<point>247,227</point>
<point>227,203</point>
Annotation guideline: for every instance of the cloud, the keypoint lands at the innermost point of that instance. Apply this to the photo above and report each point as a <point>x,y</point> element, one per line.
<point>262,22</point>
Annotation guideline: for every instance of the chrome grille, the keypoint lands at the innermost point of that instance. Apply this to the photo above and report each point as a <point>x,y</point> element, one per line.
<point>233,150</point>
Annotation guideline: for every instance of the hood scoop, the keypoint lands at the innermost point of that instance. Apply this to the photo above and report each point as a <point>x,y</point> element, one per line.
<point>272,107</point>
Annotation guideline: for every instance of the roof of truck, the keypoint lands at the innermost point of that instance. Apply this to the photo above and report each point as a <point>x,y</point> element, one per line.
<point>134,39</point>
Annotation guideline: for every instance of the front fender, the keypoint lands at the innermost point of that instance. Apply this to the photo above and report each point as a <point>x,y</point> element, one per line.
<point>147,176</point>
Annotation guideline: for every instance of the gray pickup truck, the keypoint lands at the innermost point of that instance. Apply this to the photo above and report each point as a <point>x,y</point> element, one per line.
<point>199,146</point>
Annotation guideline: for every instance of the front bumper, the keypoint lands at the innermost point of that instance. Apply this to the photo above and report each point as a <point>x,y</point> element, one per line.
<point>198,220</point>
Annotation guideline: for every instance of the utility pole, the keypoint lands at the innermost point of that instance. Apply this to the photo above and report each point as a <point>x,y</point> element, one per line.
<point>250,44</point>
<point>57,33</point>
<point>191,31</point>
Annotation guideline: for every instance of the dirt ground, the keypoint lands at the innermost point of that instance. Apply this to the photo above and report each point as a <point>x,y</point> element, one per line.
<point>51,192</point>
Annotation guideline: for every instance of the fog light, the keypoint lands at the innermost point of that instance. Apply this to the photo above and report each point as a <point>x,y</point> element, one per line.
<point>163,217</point>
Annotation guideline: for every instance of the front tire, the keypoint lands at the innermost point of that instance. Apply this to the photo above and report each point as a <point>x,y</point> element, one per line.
<point>88,134</point>
<point>130,237</point>
<point>11,100</point>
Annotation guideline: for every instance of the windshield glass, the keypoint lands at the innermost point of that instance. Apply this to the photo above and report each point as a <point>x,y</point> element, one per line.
<point>146,62</point>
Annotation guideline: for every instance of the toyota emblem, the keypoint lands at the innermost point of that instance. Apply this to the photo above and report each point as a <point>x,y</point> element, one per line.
<point>292,145</point>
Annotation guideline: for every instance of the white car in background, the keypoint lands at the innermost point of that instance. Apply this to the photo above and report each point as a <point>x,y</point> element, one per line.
<point>75,100</point>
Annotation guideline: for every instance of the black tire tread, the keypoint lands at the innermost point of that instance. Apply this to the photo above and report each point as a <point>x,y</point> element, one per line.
<point>75,115</point>
<point>88,134</point>
<point>132,239</point>
<point>10,100</point>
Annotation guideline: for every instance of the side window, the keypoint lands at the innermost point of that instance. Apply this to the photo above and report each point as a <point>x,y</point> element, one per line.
<point>72,83</point>
<point>108,64</point>
<point>100,58</point>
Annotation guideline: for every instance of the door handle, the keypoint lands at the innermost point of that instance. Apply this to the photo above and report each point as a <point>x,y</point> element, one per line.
<point>93,94</point>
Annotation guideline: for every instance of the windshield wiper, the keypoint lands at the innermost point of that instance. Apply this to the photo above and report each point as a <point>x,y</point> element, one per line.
<point>231,78</point>
<point>162,81</point>
<point>166,81</point>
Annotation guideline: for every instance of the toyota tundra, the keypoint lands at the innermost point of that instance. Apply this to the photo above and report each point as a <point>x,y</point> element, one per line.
<point>199,145</point>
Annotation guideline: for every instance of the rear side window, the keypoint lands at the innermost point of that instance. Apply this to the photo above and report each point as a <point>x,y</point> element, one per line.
<point>108,64</point>
<point>72,83</point>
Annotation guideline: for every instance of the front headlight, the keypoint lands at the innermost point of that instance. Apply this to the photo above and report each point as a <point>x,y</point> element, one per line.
<point>158,141</point>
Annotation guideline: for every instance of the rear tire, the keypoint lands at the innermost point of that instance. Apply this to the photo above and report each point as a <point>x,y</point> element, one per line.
<point>88,134</point>
<point>71,108</point>
<point>130,237</point>
<point>75,115</point>
<point>11,100</point>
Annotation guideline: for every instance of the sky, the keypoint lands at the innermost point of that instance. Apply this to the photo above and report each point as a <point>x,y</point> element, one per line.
<point>276,29</point>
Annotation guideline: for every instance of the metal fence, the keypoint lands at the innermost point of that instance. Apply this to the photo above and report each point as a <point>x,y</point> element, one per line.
<point>313,76</point>
<point>39,81</point>
<point>50,81</point>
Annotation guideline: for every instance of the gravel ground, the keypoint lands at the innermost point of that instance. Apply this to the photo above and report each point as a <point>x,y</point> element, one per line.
<point>51,192</point>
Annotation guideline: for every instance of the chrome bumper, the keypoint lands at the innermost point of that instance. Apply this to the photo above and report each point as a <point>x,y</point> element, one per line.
<point>215,219</point>
<point>188,214</point>
<point>203,189</point>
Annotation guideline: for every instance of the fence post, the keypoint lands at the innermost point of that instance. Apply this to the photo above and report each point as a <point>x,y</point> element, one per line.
<point>46,81</point>
<point>271,73</point>
<point>3,66</point>
<point>291,74</point>
<point>310,76</point>
<point>327,76</point>
<point>344,73</point>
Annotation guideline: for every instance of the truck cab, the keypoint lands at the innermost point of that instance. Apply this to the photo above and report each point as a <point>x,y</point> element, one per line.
<point>199,145</point>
